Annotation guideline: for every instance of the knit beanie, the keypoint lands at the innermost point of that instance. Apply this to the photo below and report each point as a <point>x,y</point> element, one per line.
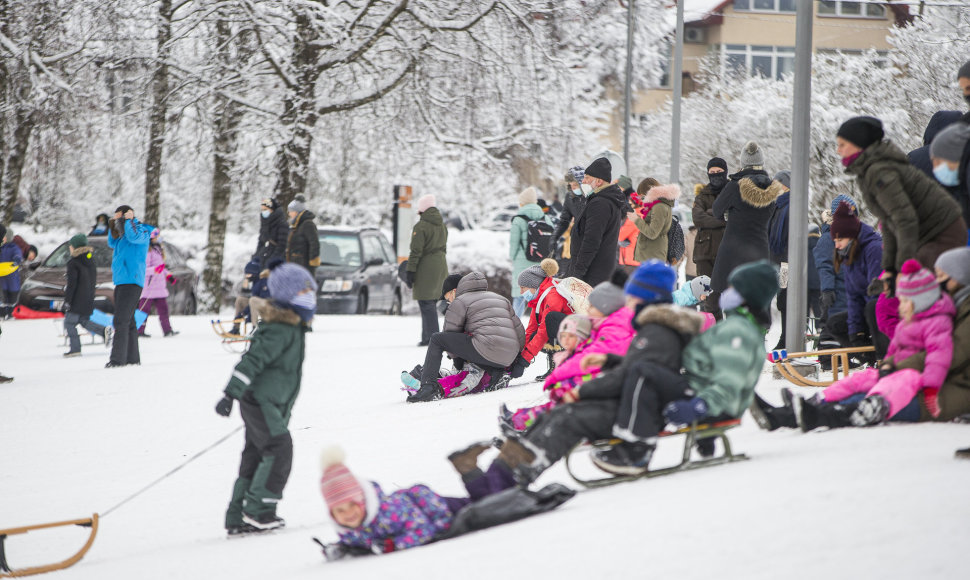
<point>600,168</point>
<point>578,173</point>
<point>956,264</point>
<point>949,143</point>
<point>700,285</point>
<point>298,204</point>
<point>426,202</point>
<point>576,324</point>
<point>533,276</point>
<point>717,162</point>
<point>918,284</point>
<point>625,184</point>
<point>252,268</point>
<point>652,281</point>
<point>861,131</point>
<point>528,196</point>
<point>450,283</point>
<point>843,197</point>
<point>607,298</point>
<point>287,280</point>
<point>756,282</point>
<point>784,178</point>
<point>964,72</point>
<point>845,224</point>
<point>752,155</point>
<point>77,241</point>
<point>338,484</point>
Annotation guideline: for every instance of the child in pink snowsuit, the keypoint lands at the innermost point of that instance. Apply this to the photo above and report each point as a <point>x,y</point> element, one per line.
<point>155,293</point>
<point>926,325</point>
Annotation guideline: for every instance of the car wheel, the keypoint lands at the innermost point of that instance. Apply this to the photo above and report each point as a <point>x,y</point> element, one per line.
<point>396,309</point>
<point>362,302</point>
<point>191,306</point>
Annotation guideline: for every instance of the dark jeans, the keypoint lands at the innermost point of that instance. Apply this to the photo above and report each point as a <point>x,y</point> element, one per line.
<point>837,328</point>
<point>647,388</point>
<point>159,304</point>
<point>71,321</point>
<point>559,430</point>
<point>429,319</point>
<point>124,350</point>
<point>460,346</point>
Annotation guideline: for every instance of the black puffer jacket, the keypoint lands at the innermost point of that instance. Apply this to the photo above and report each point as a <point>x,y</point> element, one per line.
<point>82,275</point>
<point>596,236</point>
<point>273,235</point>
<point>303,247</point>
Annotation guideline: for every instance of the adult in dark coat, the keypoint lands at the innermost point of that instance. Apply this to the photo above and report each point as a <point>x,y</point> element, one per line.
<point>82,276</point>
<point>950,156</point>
<point>303,245</point>
<point>747,202</point>
<point>427,267</point>
<point>596,235</point>
<point>710,229</point>
<point>274,233</point>
<point>572,206</point>
<point>920,157</point>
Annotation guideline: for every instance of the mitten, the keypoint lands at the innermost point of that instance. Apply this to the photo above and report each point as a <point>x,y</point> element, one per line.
<point>159,268</point>
<point>932,402</point>
<point>385,547</point>
<point>409,275</point>
<point>66,307</point>
<point>875,287</point>
<point>171,279</point>
<point>886,370</point>
<point>685,411</point>
<point>518,366</point>
<point>224,406</point>
<point>335,551</point>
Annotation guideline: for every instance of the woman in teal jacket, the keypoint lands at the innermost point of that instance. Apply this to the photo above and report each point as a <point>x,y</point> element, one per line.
<point>529,210</point>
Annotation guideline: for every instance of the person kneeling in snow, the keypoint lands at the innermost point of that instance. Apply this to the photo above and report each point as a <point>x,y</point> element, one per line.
<point>266,383</point>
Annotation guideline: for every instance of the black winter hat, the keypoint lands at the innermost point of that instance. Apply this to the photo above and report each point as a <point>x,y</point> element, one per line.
<point>717,162</point>
<point>600,168</point>
<point>964,72</point>
<point>123,209</point>
<point>450,283</point>
<point>861,131</point>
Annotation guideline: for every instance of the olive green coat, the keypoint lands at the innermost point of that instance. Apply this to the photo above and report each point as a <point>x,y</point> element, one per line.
<point>652,239</point>
<point>913,208</point>
<point>429,239</point>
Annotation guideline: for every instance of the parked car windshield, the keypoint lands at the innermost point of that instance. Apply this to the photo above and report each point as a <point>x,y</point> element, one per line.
<point>60,256</point>
<point>339,250</point>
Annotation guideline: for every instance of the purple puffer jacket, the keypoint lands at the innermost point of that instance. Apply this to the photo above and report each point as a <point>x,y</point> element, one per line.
<point>155,284</point>
<point>404,519</point>
<point>10,252</point>
<point>930,331</point>
<point>612,335</point>
<point>866,268</point>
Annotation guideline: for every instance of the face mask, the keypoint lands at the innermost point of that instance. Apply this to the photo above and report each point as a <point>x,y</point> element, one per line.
<point>265,213</point>
<point>304,304</point>
<point>730,299</point>
<point>847,161</point>
<point>586,188</point>
<point>718,180</point>
<point>529,295</point>
<point>945,175</point>
<point>578,191</point>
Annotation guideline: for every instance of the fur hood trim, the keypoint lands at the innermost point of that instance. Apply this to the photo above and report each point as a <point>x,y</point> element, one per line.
<point>758,197</point>
<point>698,188</point>
<point>82,250</point>
<point>683,320</point>
<point>272,312</point>
<point>671,192</point>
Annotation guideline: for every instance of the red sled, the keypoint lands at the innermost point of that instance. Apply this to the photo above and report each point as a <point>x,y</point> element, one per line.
<point>21,312</point>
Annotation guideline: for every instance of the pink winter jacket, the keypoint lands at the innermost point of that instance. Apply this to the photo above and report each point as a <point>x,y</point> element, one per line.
<point>887,315</point>
<point>930,331</point>
<point>155,274</point>
<point>613,334</point>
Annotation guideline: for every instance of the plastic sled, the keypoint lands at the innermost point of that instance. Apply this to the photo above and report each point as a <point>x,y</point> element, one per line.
<point>105,319</point>
<point>7,268</point>
<point>7,572</point>
<point>21,312</point>
<point>693,433</point>
<point>840,364</point>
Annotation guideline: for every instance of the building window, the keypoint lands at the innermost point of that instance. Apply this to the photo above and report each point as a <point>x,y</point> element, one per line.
<point>765,5</point>
<point>764,61</point>
<point>851,9</point>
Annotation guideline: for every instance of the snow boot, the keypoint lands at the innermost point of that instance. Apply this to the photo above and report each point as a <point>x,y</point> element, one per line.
<point>243,529</point>
<point>963,453</point>
<point>870,411</point>
<point>411,384</point>
<point>427,392</point>
<point>705,447</point>
<point>625,458</point>
<point>812,414</point>
<point>498,380</point>
<point>466,460</point>
<point>770,417</point>
<point>552,367</point>
<point>170,333</point>
<point>72,353</point>
<point>470,381</point>
<point>264,522</point>
<point>520,460</point>
<point>5,379</point>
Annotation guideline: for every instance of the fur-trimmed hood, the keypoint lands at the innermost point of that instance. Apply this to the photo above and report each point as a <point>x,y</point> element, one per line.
<point>683,320</point>
<point>81,251</point>
<point>758,195</point>
<point>669,192</point>
<point>271,312</point>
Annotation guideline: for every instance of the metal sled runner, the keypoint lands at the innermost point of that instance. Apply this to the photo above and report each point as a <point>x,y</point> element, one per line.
<point>694,433</point>
<point>7,572</point>
<point>840,364</point>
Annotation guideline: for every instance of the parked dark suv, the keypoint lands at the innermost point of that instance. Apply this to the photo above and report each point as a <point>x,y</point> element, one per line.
<point>357,272</point>
<point>44,289</point>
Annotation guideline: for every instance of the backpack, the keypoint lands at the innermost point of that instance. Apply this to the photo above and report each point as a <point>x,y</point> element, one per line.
<point>538,236</point>
<point>675,242</point>
<point>575,291</point>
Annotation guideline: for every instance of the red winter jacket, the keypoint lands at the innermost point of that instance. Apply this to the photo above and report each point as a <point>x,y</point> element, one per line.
<point>544,303</point>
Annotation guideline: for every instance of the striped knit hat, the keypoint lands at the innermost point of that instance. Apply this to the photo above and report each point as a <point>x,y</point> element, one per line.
<point>918,284</point>
<point>338,484</point>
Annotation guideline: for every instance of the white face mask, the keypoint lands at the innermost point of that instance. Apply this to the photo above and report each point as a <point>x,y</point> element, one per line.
<point>730,299</point>
<point>586,188</point>
<point>265,213</point>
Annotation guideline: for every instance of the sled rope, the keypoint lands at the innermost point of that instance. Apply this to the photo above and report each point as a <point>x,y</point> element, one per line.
<point>170,473</point>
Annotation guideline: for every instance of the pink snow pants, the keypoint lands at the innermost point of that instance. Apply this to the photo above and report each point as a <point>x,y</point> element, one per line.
<point>898,388</point>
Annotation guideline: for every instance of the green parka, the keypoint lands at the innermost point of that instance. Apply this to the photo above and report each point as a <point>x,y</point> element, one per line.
<point>913,208</point>
<point>272,369</point>
<point>429,240</point>
<point>520,239</point>
<point>723,364</point>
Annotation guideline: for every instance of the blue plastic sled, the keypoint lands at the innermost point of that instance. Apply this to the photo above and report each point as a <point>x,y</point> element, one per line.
<point>105,319</point>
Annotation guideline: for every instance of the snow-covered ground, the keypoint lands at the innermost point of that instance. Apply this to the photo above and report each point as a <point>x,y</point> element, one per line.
<point>75,438</point>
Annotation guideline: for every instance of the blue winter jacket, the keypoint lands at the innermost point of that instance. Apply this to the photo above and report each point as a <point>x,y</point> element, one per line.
<point>130,253</point>
<point>866,268</point>
<point>827,277</point>
<point>10,252</point>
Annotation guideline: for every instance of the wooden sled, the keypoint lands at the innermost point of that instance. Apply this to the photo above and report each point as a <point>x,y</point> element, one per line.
<point>237,343</point>
<point>840,364</point>
<point>7,572</point>
<point>694,433</point>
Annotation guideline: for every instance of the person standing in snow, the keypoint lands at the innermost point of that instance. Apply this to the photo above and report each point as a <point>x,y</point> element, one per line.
<point>427,264</point>
<point>82,276</point>
<point>529,210</point>
<point>10,253</point>
<point>710,230</point>
<point>653,217</point>
<point>303,245</point>
<point>266,383</point>
<point>154,296</point>
<point>129,238</point>
<point>595,237</point>
<point>572,207</point>
<point>273,233</point>
<point>920,157</point>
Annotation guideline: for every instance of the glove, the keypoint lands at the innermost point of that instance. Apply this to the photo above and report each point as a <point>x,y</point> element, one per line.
<point>860,339</point>
<point>334,552</point>
<point>518,367</point>
<point>827,300</point>
<point>409,275</point>
<point>553,245</point>
<point>171,279</point>
<point>685,411</point>
<point>224,406</point>
<point>385,547</point>
<point>66,307</point>
<point>886,370</point>
<point>159,268</point>
<point>875,288</point>
<point>932,402</point>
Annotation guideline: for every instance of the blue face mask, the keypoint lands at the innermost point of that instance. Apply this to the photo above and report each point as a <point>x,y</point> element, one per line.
<point>305,305</point>
<point>945,175</point>
<point>577,191</point>
<point>265,213</point>
<point>529,295</point>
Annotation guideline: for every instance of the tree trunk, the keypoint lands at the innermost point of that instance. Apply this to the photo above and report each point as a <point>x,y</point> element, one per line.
<point>156,131</point>
<point>26,120</point>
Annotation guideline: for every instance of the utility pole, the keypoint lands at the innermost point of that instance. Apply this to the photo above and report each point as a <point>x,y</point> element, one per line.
<point>628,94</point>
<point>677,84</point>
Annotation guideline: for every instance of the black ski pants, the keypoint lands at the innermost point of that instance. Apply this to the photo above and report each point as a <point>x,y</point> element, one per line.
<point>460,346</point>
<point>559,430</point>
<point>124,349</point>
<point>647,388</point>
<point>429,319</point>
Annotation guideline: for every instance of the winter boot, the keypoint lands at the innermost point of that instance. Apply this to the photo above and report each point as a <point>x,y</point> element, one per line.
<point>963,453</point>
<point>625,458</point>
<point>466,460</point>
<point>265,522</point>
<point>552,367</point>
<point>498,380</point>
<point>427,392</point>
<point>705,447</point>
<point>521,461</point>
<point>242,529</point>
<point>870,411</point>
<point>471,380</point>
<point>769,417</point>
<point>411,383</point>
<point>235,330</point>
<point>72,353</point>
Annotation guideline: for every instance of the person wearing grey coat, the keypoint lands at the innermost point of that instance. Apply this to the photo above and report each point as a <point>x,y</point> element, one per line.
<point>480,328</point>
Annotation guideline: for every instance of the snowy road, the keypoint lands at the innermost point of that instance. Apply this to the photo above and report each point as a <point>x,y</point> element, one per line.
<point>75,438</point>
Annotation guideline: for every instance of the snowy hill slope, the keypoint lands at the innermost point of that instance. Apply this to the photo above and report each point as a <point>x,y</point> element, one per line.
<point>75,438</point>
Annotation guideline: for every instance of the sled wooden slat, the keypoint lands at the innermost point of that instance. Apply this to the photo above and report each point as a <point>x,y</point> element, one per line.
<point>7,572</point>
<point>840,365</point>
